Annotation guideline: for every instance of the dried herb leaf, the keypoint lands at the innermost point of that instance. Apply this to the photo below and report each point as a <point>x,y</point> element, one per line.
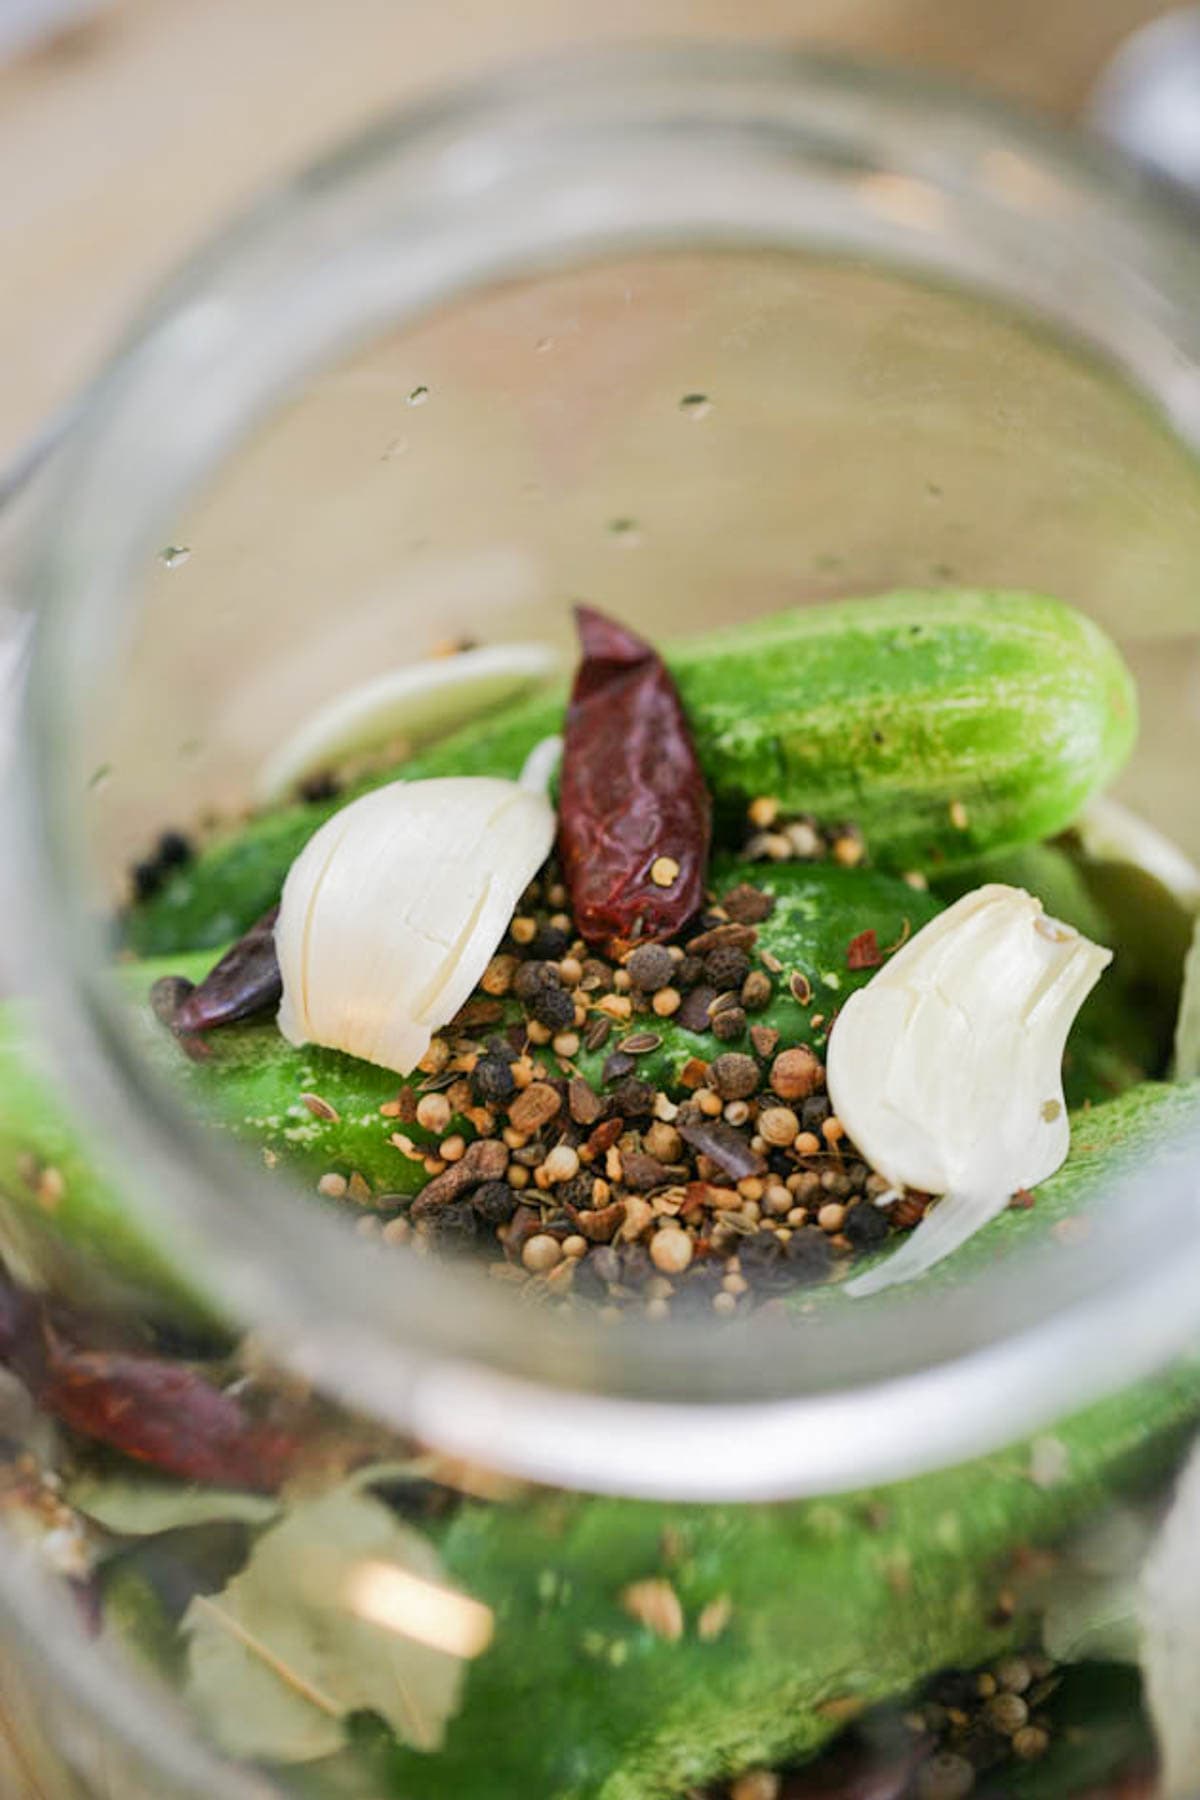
<point>140,1506</point>
<point>278,1661</point>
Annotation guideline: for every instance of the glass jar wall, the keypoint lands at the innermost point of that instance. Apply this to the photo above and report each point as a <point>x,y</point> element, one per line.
<point>698,340</point>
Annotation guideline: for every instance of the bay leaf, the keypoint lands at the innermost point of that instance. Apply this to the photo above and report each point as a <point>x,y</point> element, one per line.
<point>143,1506</point>
<point>277,1662</point>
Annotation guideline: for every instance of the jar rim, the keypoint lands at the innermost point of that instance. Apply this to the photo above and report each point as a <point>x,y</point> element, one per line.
<point>388,227</point>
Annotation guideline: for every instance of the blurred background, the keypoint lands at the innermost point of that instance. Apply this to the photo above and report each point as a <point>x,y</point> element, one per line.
<point>129,128</point>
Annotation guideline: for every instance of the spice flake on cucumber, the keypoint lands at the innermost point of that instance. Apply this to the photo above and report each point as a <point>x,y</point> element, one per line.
<point>761,976</point>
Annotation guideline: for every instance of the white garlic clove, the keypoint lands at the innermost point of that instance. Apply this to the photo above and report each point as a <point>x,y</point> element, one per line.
<point>946,1069</point>
<point>392,910</point>
<point>417,702</point>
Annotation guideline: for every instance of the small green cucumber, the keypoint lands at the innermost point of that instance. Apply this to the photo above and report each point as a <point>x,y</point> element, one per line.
<point>946,725</point>
<point>254,1083</point>
<point>831,1605</point>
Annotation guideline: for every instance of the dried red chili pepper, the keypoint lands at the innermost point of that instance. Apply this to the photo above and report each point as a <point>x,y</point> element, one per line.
<point>159,1411</point>
<point>634,814</point>
<point>162,1413</point>
<point>245,981</point>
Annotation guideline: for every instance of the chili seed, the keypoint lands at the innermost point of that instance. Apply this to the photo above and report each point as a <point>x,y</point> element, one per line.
<point>664,871</point>
<point>666,1002</point>
<point>656,1605</point>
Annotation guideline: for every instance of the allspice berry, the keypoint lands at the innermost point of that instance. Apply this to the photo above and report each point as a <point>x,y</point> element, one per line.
<point>734,1075</point>
<point>796,1073</point>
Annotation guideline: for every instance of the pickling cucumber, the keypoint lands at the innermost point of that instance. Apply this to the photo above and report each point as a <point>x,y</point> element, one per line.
<point>945,725</point>
<point>253,1081</point>
<point>833,1605</point>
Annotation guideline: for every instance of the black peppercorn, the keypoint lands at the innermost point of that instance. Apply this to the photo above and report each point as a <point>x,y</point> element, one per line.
<point>550,943</point>
<point>492,1081</point>
<point>174,850</point>
<point>866,1225</point>
<point>532,978</point>
<point>814,1112</point>
<point>808,1255</point>
<point>494,1202</point>
<point>633,1098</point>
<point>454,1227</point>
<point>552,1007</point>
<point>147,879</point>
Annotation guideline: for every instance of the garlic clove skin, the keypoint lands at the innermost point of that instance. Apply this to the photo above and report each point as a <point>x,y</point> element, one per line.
<point>392,910</point>
<point>417,702</point>
<point>946,1069</point>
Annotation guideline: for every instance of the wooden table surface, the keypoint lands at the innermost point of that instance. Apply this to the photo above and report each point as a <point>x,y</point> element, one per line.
<point>123,144</point>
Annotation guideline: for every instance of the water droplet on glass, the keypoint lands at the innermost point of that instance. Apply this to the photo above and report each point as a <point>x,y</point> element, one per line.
<point>544,344</point>
<point>418,397</point>
<point>173,555</point>
<point>696,406</point>
<point>627,532</point>
<point>933,490</point>
<point>397,447</point>
<point>191,746</point>
<point>100,778</point>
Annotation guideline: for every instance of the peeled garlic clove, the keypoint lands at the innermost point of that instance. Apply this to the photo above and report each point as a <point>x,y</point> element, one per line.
<point>416,702</point>
<point>392,910</point>
<point>946,1069</point>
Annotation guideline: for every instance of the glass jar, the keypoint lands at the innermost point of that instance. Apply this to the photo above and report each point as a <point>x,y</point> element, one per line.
<point>697,335</point>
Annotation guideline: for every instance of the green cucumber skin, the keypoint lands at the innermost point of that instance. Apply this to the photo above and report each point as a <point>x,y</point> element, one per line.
<point>886,711</point>
<point>253,1082</point>
<point>856,1599</point>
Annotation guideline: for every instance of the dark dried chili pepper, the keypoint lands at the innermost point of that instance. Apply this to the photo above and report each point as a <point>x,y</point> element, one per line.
<point>157,1410</point>
<point>245,981</point>
<point>634,814</point>
<point>162,1413</point>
